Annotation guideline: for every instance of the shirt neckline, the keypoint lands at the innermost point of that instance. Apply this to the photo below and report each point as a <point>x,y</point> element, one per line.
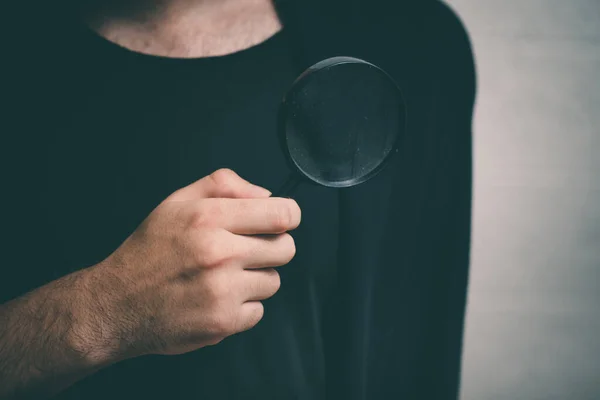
<point>238,55</point>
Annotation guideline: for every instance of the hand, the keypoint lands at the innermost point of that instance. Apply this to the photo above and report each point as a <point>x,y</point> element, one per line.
<point>194,272</point>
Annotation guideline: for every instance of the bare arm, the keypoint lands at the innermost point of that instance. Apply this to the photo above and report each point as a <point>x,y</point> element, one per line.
<point>193,273</point>
<point>44,346</point>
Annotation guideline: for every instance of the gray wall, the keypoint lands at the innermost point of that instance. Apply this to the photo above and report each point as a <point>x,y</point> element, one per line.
<point>533,319</point>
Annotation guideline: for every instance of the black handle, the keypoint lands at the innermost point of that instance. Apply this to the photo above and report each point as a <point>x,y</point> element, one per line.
<point>288,188</point>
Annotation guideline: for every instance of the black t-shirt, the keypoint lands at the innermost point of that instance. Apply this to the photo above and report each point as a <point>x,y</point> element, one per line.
<point>128,130</point>
<point>133,128</point>
<point>371,307</point>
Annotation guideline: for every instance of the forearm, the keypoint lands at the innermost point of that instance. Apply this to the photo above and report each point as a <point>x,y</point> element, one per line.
<point>47,341</point>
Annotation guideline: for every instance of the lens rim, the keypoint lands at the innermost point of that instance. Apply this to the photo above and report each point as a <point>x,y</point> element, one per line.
<point>303,80</point>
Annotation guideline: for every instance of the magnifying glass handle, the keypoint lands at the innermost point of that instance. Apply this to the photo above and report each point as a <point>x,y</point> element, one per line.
<point>288,188</point>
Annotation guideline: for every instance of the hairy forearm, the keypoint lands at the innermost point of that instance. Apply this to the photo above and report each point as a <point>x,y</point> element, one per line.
<point>46,343</point>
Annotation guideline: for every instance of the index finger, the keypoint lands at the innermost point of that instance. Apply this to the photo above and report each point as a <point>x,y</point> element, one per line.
<point>271,215</point>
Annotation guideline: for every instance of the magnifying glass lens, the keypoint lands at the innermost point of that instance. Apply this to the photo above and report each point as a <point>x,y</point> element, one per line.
<point>341,121</point>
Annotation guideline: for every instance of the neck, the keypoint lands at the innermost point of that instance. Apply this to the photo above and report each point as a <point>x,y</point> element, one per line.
<point>183,28</point>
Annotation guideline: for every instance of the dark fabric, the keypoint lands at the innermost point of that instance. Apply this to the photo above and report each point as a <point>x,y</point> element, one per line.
<point>372,307</point>
<point>404,236</point>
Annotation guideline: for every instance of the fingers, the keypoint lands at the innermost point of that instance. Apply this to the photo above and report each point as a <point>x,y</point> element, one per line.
<point>259,284</point>
<point>221,183</point>
<point>249,216</point>
<point>212,330</point>
<point>225,200</point>
<point>219,247</point>
<point>250,314</point>
<point>267,251</point>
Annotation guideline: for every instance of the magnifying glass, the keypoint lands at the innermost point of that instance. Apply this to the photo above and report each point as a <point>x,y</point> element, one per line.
<point>340,124</point>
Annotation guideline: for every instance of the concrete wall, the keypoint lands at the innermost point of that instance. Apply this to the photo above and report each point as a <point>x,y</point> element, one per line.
<point>533,319</point>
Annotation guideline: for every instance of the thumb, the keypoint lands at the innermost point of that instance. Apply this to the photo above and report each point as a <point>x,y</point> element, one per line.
<point>221,183</point>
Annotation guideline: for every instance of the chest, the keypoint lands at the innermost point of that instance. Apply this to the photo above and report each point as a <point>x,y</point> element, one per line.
<point>111,157</point>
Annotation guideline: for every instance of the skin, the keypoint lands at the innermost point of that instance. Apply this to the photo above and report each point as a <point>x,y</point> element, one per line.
<point>193,273</point>
<point>183,28</point>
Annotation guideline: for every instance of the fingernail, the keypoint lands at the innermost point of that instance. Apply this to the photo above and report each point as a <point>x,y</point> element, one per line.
<point>262,191</point>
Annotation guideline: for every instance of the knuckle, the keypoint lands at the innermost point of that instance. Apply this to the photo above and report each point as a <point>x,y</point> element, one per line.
<point>214,293</point>
<point>221,324</point>
<point>287,215</point>
<point>206,213</point>
<point>209,250</point>
<point>283,218</point>
<point>198,216</point>
<point>220,289</point>
<point>223,177</point>
<point>220,308</point>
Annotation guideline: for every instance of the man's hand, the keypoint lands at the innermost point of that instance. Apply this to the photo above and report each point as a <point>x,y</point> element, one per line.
<point>193,273</point>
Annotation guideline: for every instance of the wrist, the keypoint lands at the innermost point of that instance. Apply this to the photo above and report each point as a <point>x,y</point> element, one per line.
<point>95,335</point>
